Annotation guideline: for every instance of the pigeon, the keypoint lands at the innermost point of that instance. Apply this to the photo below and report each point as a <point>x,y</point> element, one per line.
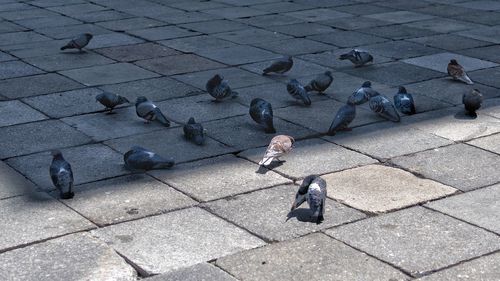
<point>149,111</point>
<point>280,66</point>
<point>312,190</point>
<point>363,94</point>
<point>262,112</point>
<point>404,101</point>
<point>279,145</point>
<point>320,83</point>
<point>472,102</point>
<point>357,57</point>
<point>194,132</point>
<point>78,42</point>
<point>296,90</point>
<point>457,72</point>
<point>383,107</point>
<point>345,115</point>
<point>219,88</point>
<point>141,159</point>
<point>110,100</point>
<point>61,175</point>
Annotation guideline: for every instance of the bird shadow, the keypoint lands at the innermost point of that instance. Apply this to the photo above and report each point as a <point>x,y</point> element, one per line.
<point>302,215</point>
<point>263,170</point>
<point>461,115</point>
<point>82,52</point>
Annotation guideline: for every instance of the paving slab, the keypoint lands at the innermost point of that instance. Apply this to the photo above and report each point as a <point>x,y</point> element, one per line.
<point>13,38</point>
<point>76,9</point>
<point>490,143</point>
<point>27,14</point>
<point>34,217</point>
<point>351,24</point>
<point>344,39</point>
<point>317,14</point>
<point>490,34</point>
<point>177,17</point>
<point>301,29</point>
<point>331,59</point>
<point>443,25</point>
<point>251,36</point>
<point>48,22</point>
<point>452,42</point>
<point>190,236</point>
<point>325,258</point>
<point>198,44</point>
<point>137,52</point>
<point>178,64</point>
<point>482,17</point>
<point>265,21</point>
<point>6,57</point>
<point>279,7</point>
<point>442,8</point>
<point>36,49</point>
<point>201,271</point>
<point>15,112</point>
<point>488,76</point>
<point>397,32</point>
<point>108,74</point>
<point>69,60</point>
<point>491,53</point>
<point>274,221</point>
<point>12,69</point>
<point>13,183</point>
<point>7,27</point>
<point>76,256</point>
<point>196,5</point>
<point>235,12</point>
<point>114,39</point>
<point>68,32</point>
<point>162,33</point>
<point>440,240</point>
<point>130,24</point>
<point>236,55</point>
<point>400,49</point>
<point>99,16</point>
<point>295,46</point>
<point>370,9</point>
<point>492,107</point>
<point>36,85</point>
<point>486,5</point>
<point>399,16</point>
<point>468,167</point>
<point>439,62</point>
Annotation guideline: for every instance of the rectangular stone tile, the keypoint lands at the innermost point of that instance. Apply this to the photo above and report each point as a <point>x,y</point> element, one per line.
<point>137,52</point>
<point>400,49</point>
<point>178,64</point>
<point>235,12</point>
<point>403,4</point>
<point>274,221</point>
<point>187,230</point>
<point>439,62</point>
<point>440,240</point>
<point>490,34</point>
<point>62,32</point>
<point>130,24</point>
<point>301,29</point>
<point>490,143</point>
<point>287,260</point>
<point>397,32</point>
<point>108,74</point>
<point>76,256</point>
<point>196,5</point>
<point>317,14</point>
<point>201,271</point>
<point>251,36</point>
<point>162,33</point>
<point>47,22</point>
<point>36,49</point>
<point>352,23</point>
<point>249,2</point>
<point>295,46</point>
<point>279,7</point>
<point>52,3</point>
<point>14,38</point>
<point>365,8</point>
<point>15,112</point>
<point>344,39</point>
<point>215,26</point>
<point>443,8</point>
<point>491,107</point>
<point>27,14</point>
<point>467,167</point>
<point>179,17</point>
<point>482,17</point>
<point>197,44</point>
<point>114,39</point>
<point>13,183</point>
<point>452,42</point>
<point>236,55</point>
<point>487,5</point>
<point>488,76</point>
<point>6,57</point>
<point>491,53</point>
<point>12,69</point>
<point>99,16</point>
<point>70,60</point>
<point>6,27</point>
<point>36,85</point>
<point>300,69</point>
<point>30,218</point>
<point>76,9</point>
<point>399,16</point>
<point>265,21</point>
<point>443,25</point>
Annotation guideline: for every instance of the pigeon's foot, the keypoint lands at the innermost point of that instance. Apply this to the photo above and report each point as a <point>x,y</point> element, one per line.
<point>67,195</point>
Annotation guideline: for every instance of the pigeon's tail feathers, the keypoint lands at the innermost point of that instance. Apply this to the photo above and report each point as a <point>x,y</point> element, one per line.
<point>266,161</point>
<point>234,94</point>
<point>65,47</point>
<point>306,99</point>
<point>345,56</point>
<point>165,164</point>
<point>467,80</point>
<point>161,118</point>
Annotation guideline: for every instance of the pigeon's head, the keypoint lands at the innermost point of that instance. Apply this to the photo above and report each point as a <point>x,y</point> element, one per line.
<point>191,121</point>
<point>141,100</point>
<point>56,154</point>
<point>328,73</point>
<point>402,89</point>
<point>453,61</point>
<point>88,36</point>
<point>367,84</point>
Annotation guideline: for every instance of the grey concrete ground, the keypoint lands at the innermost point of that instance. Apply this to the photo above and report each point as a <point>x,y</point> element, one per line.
<point>419,199</point>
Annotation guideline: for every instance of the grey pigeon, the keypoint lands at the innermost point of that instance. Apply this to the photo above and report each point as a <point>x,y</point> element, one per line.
<point>78,42</point>
<point>345,115</point>
<point>110,100</point>
<point>404,101</point>
<point>457,72</point>
<point>357,57</point>
<point>194,132</point>
<point>262,112</point>
<point>363,94</point>
<point>312,190</point>
<point>219,88</point>
<point>320,83</point>
<point>280,66</point>
<point>383,107</point>
<point>472,102</point>
<point>149,111</point>
<point>141,159</point>
<point>61,175</point>
<point>296,90</point>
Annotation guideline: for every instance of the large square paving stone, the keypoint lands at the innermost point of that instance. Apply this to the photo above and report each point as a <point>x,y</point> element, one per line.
<point>439,240</point>
<point>16,112</point>
<point>64,61</point>
<point>238,54</point>
<point>12,69</point>
<point>162,32</point>
<point>201,271</point>
<point>197,44</point>
<point>251,36</point>
<point>491,53</point>
<point>72,257</point>
<point>490,76</point>
<point>454,42</point>
<point>188,237</point>
<point>317,15</point>
<point>439,62</point>
<point>344,39</point>
<point>295,46</point>
<point>467,167</point>
<point>218,177</point>
<point>267,213</point>
<point>137,52</point>
<point>312,257</point>
<point>443,25</point>
<point>178,64</point>
<point>399,16</point>
<point>36,85</point>
<point>490,143</point>
<point>13,183</point>
<point>214,26</point>
<point>108,74</point>
<point>378,188</point>
<point>490,34</point>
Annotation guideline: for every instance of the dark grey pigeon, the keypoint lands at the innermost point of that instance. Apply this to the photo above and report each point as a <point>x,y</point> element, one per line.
<point>148,111</point>
<point>363,94</point>
<point>78,42</point>
<point>61,175</point>
<point>219,88</point>
<point>345,115</point>
<point>296,90</point>
<point>262,112</point>
<point>110,100</point>
<point>320,83</point>
<point>312,190</point>
<point>280,65</point>
<point>383,107</point>
<point>404,101</point>
<point>357,57</point>
<point>141,159</point>
<point>194,132</point>
<point>472,102</point>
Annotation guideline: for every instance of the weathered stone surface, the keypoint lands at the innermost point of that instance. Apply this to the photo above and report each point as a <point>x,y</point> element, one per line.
<point>238,54</point>
<point>488,76</point>
<point>302,29</point>
<point>444,25</point>
<point>296,46</point>
<point>439,62</point>
<point>114,39</point>
<point>13,183</point>
<point>201,271</point>
<point>269,20</point>
<point>251,36</point>
<point>13,38</point>
<point>491,53</point>
<point>214,26</point>
<point>36,85</point>
<point>451,42</point>
<point>12,69</point>
<point>197,44</point>
<point>489,34</point>
<point>317,15</point>
<point>68,32</point>
<point>397,32</point>
<point>300,69</point>
<point>400,16</point>
<point>235,12</point>
<point>130,24</point>
<point>400,49</point>
<point>68,60</point>
<point>344,39</point>
<point>137,52</point>
<point>491,143</point>
<point>162,33</point>
<point>16,112</point>
<point>178,64</point>
<point>108,74</point>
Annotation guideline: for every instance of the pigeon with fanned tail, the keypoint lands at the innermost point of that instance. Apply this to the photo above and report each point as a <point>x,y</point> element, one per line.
<point>141,159</point>
<point>312,190</point>
<point>280,66</point>
<point>383,107</point>
<point>297,91</point>
<point>61,175</point>
<point>357,57</point>
<point>110,100</point>
<point>262,112</point>
<point>457,72</point>
<point>345,115</point>
<point>194,132</point>
<point>472,102</point>
<point>78,42</point>
<point>363,94</point>
<point>279,146</point>
<point>404,101</point>
<point>320,83</point>
<point>219,88</point>
<point>148,111</point>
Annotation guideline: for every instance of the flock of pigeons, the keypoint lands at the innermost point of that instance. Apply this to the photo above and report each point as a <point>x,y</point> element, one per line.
<point>313,188</point>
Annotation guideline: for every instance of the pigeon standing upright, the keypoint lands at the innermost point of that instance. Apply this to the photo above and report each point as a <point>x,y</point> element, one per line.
<point>404,101</point>
<point>345,115</point>
<point>78,42</point>
<point>312,190</point>
<point>219,88</point>
<point>363,94</point>
<point>262,112</point>
<point>320,83</point>
<point>357,57</point>
<point>147,110</point>
<point>279,145</point>
<point>194,132</point>
<point>110,100</point>
<point>280,65</point>
<point>472,102</point>
<point>383,107</point>
<point>296,90</point>
<point>61,175</point>
<point>141,159</point>
<point>457,72</point>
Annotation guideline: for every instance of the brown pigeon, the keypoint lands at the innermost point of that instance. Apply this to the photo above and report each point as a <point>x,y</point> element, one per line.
<point>457,72</point>
<point>279,145</point>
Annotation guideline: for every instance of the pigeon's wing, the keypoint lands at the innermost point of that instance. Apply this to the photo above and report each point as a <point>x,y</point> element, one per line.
<point>382,106</point>
<point>275,149</point>
<point>146,110</point>
<point>278,66</point>
<point>298,92</point>
<point>61,174</point>
<point>80,41</point>
<point>359,97</point>
<point>345,115</point>
<point>160,117</point>
<point>455,71</point>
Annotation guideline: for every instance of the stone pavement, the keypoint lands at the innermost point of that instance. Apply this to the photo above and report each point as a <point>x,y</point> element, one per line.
<point>419,199</point>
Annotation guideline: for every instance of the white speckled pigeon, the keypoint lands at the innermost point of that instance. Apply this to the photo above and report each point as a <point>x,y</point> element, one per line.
<point>280,66</point>
<point>312,190</point>
<point>297,91</point>
<point>345,115</point>
<point>141,159</point>
<point>110,100</point>
<point>279,145</point>
<point>383,107</point>
<point>61,175</point>
<point>194,132</point>
<point>262,112</point>
<point>404,101</point>
<point>78,42</point>
<point>457,72</point>
<point>357,57</point>
<point>472,102</point>
<point>219,88</point>
<point>148,111</point>
<point>320,83</point>
<point>363,94</point>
